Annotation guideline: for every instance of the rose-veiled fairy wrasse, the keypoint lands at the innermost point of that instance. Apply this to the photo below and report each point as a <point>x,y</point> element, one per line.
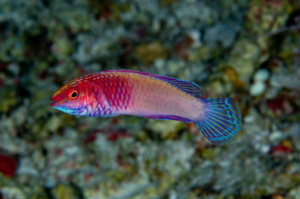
<point>126,92</point>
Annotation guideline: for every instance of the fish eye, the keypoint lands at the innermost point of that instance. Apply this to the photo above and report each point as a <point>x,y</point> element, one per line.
<point>73,95</point>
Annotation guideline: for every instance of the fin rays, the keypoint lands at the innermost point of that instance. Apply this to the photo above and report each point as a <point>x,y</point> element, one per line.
<point>185,86</point>
<point>221,121</point>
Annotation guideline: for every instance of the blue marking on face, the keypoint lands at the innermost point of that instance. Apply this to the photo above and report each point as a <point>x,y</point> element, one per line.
<point>64,109</point>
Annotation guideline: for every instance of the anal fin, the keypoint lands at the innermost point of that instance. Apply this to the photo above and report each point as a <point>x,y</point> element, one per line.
<point>166,117</point>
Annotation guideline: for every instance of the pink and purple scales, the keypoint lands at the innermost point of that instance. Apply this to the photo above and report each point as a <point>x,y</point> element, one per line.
<point>126,92</point>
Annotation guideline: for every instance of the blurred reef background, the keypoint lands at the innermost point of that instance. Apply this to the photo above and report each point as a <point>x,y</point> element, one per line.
<point>247,49</point>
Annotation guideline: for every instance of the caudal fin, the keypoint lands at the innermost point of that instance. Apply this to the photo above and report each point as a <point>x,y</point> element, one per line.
<point>221,120</point>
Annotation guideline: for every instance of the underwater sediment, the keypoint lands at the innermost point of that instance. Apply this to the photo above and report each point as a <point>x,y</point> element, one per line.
<point>248,50</point>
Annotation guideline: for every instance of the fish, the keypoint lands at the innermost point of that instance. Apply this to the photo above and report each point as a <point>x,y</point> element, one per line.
<point>127,92</point>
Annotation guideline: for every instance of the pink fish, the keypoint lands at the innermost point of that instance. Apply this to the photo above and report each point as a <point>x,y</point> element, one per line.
<point>126,92</point>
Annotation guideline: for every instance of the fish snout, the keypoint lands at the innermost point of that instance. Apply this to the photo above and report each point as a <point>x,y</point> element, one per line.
<point>54,102</point>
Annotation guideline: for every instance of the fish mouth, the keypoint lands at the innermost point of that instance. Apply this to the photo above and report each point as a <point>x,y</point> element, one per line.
<point>60,107</point>
<point>64,109</point>
<point>53,103</point>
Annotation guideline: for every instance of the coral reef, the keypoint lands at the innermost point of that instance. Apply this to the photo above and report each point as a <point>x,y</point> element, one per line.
<point>247,49</point>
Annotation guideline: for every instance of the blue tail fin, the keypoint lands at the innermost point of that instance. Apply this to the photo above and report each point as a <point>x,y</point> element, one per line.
<point>221,120</point>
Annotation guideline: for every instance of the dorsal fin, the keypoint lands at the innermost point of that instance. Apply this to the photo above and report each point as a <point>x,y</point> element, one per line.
<point>185,86</point>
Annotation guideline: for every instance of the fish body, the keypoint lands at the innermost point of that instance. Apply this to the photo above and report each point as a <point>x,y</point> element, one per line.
<point>126,92</point>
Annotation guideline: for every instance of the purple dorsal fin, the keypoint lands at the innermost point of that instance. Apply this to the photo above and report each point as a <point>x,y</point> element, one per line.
<point>185,86</point>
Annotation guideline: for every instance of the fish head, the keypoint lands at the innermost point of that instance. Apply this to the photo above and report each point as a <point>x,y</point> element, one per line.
<point>71,98</point>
